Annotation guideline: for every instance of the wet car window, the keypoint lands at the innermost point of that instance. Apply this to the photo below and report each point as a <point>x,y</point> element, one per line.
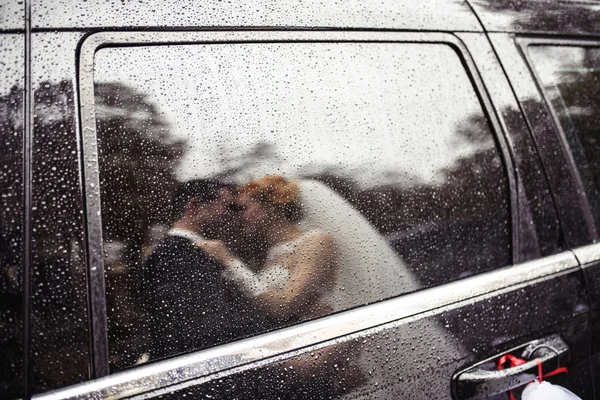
<point>570,79</point>
<point>247,187</point>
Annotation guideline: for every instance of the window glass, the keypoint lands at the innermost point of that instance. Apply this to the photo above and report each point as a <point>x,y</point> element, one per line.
<point>570,78</point>
<point>247,187</point>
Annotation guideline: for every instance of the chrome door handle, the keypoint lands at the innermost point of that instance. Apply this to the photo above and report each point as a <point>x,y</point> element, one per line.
<point>483,379</point>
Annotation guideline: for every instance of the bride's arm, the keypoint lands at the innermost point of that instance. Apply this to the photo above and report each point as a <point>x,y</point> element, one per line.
<point>247,279</point>
<point>313,273</point>
<point>234,269</point>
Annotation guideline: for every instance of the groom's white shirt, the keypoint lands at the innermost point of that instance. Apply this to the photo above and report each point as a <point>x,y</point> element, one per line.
<point>186,234</point>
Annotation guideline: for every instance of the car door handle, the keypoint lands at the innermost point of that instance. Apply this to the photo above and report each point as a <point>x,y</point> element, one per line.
<point>483,379</point>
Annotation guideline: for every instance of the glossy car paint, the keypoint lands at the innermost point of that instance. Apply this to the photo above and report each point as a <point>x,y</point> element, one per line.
<point>400,357</point>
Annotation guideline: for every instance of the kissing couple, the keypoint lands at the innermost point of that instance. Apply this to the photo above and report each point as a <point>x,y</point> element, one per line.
<point>322,256</point>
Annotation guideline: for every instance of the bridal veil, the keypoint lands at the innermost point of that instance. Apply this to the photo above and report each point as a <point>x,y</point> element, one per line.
<point>368,268</point>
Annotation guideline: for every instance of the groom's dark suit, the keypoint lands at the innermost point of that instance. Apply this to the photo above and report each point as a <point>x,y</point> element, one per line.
<point>189,305</point>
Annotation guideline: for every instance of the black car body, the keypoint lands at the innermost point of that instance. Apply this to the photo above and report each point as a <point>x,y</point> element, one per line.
<point>487,187</point>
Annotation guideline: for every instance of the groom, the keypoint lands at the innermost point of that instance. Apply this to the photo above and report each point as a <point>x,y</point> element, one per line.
<point>189,305</point>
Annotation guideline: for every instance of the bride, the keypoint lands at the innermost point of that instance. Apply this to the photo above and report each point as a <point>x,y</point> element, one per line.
<point>323,257</point>
<point>301,265</point>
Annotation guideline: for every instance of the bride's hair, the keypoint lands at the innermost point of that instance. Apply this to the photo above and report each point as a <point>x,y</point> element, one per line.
<point>281,193</point>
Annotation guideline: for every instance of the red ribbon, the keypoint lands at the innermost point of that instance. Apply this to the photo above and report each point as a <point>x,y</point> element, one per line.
<point>516,361</point>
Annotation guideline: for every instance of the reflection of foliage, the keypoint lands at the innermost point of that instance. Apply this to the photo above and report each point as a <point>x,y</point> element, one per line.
<point>54,124</point>
<point>473,130</point>
<point>545,13</point>
<point>576,97</point>
<point>11,178</point>
<point>11,219</point>
<point>240,167</point>
<point>137,159</point>
<point>137,163</point>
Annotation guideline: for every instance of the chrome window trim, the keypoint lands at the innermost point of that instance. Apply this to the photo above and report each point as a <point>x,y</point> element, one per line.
<point>523,44</point>
<point>280,343</point>
<point>588,254</point>
<point>91,181</point>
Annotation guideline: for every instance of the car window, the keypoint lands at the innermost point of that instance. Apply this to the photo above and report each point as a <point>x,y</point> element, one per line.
<point>570,78</point>
<point>247,187</point>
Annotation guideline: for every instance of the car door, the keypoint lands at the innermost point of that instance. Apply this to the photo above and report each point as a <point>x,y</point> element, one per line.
<point>415,134</point>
